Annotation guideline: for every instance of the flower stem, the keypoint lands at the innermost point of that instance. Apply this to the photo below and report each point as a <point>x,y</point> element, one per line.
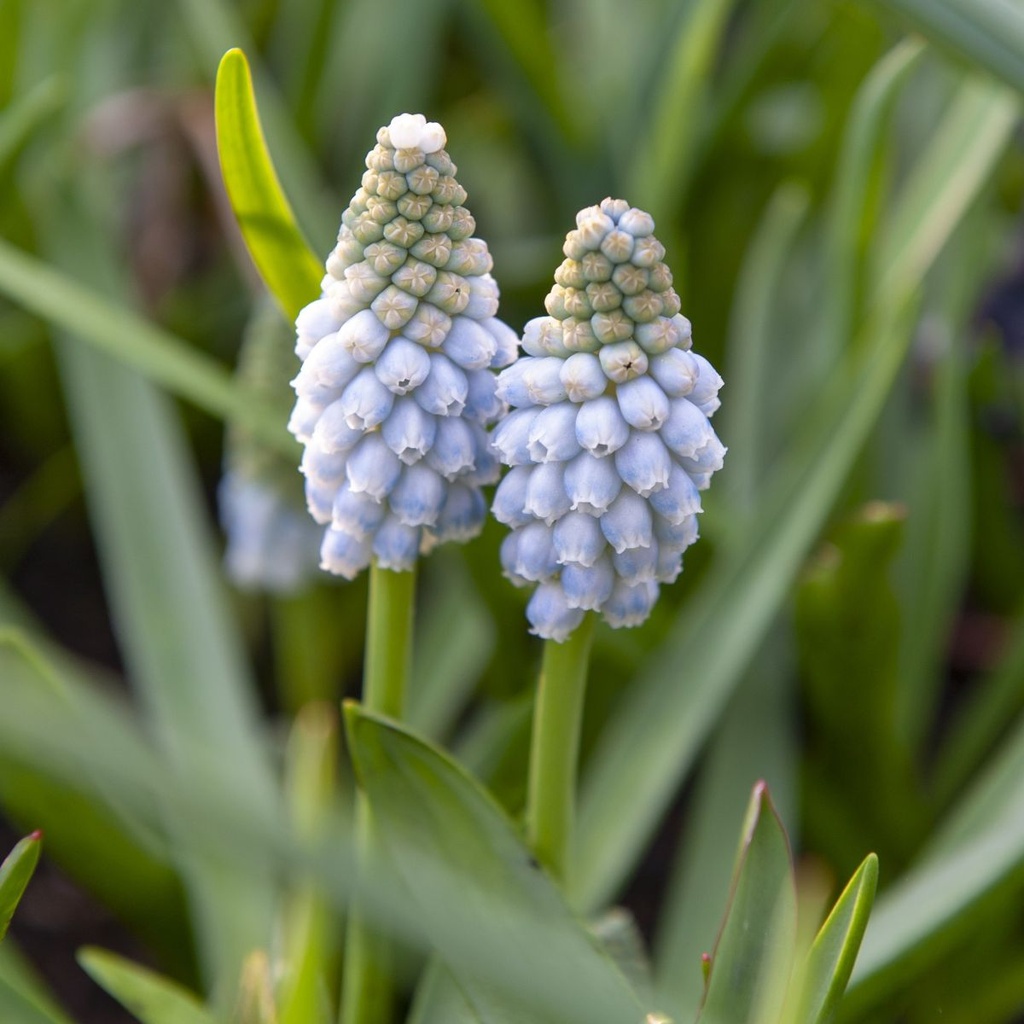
<point>554,751</point>
<point>366,996</point>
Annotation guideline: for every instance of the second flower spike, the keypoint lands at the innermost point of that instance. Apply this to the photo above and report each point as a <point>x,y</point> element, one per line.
<point>609,440</point>
<point>396,388</point>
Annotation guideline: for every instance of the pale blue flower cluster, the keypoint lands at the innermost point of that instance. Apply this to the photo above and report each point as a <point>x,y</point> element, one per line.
<point>397,386</point>
<point>608,442</point>
<point>271,546</point>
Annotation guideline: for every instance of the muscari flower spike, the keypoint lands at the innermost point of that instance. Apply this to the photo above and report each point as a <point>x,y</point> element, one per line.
<point>396,388</point>
<point>271,543</point>
<point>608,442</point>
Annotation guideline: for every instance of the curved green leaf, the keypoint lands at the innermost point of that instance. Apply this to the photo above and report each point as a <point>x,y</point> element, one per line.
<point>831,958</point>
<point>24,999</point>
<point>987,33</point>
<point>152,998</point>
<point>283,257</point>
<point>497,921</point>
<point>15,872</point>
<point>752,960</point>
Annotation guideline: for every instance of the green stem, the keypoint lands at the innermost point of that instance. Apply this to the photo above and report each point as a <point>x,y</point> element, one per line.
<point>367,996</point>
<point>554,750</point>
<point>388,641</point>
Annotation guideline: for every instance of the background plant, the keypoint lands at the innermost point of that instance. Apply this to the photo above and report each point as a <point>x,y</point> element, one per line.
<point>837,200</point>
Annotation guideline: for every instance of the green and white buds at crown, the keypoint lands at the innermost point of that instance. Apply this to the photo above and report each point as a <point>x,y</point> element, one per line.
<point>397,386</point>
<point>271,543</point>
<point>608,440</point>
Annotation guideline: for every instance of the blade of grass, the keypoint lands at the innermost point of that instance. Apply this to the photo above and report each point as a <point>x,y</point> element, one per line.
<point>130,339</point>
<point>997,701</point>
<point>523,31</point>
<point>753,741</point>
<point>289,267</point>
<point>921,915</point>
<point>26,114</point>
<point>15,872</point>
<point>23,997</point>
<point>151,998</point>
<point>989,34</point>
<point>184,652</point>
<point>848,229</point>
<point>749,339</point>
<point>664,155</point>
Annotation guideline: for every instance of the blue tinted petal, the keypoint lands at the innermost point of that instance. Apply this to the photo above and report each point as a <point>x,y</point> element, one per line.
<point>511,437</point>
<point>600,427</point>
<point>469,345</point>
<point>642,403</point>
<point>402,366</point>
<point>358,515</point>
<point>628,523</point>
<point>679,500</point>
<point>419,496</point>
<point>591,484</point>
<point>366,402</point>
<point>552,436</point>
<point>578,539</point>
<point>343,554</point>
<point>409,431</point>
<point>510,498</point>
<point>453,453</point>
<point>396,546</point>
<point>373,467</point>
<point>588,587</point>
<point>644,463</point>
<point>545,493</point>
<point>630,605</point>
<point>549,613</point>
<point>444,391</point>
<point>686,430</point>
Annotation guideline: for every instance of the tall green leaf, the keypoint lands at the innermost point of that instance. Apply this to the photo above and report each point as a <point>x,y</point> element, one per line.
<point>832,956</point>
<point>496,920</point>
<point>752,959</point>
<point>987,33</point>
<point>118,332</point>
<point>289,267</point>
<point>753,741</point>
<point>15,871</point>
<point>151,998</point>
<point>23,997</point>
<point>179,641</point>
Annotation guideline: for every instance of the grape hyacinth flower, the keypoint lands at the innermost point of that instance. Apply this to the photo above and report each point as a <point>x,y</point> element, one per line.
<point>271,543</point>
<point>396,388</point>
<point>608,441</point>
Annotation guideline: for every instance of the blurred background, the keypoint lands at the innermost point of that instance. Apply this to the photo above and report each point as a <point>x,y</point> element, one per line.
<point>840,200</point>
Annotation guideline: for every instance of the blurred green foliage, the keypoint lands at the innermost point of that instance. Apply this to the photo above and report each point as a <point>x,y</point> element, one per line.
<point>840,202</point>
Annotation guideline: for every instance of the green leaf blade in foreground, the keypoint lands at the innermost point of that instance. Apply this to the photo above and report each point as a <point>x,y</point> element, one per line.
<point>281,254</point>
<point>151,998</point>
<point>753,956</point>
<point>831,957</point>
<point>15,872</point>
<point>165,359</point>
<point>500,925</point>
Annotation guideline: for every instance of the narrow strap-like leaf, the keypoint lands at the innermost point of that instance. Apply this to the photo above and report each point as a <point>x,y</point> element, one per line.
<point>281,254</point>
